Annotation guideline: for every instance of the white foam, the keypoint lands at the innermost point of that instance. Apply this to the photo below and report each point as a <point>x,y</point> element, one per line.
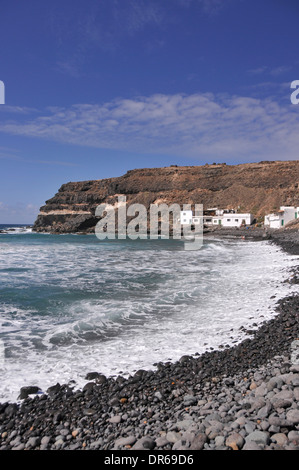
<point>154,306</point>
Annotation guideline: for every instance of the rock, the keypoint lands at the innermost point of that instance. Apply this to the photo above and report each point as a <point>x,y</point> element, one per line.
<point>32,442</point>
<point>219,441</point>
<point>213,430</point>
<point>29,390</point>
<point>75,432</point>
<point>161,441</point>
<point>158,395</point>
<point>280,438</point>
<point>54,389</point>
<point>259,437</point>
<point>145,443</point>
<point>173,436</point>
<point>115,419</point>
<point>92,375</point>
<point>251,445</point>
<point>235,441</point>
<point>198,442</point>
<point>189,400</point>
<point>125,441</point>
<point>293,416</point>
<point>45,440</point>
<point>293,437</point>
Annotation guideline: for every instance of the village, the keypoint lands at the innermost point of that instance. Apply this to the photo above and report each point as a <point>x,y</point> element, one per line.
<point>231,218</point>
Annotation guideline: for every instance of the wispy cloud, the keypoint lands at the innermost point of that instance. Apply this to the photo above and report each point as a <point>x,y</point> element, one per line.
<point>7,153</point>
<point>199,125</point>
<point>99,26</point>
<point>104,26</point>
<point>273,71</point>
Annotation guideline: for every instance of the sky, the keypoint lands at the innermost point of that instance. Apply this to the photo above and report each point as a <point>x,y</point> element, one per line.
<point>94,88</point>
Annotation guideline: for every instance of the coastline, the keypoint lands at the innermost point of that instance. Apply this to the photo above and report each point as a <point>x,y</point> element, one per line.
<point>207,402</point>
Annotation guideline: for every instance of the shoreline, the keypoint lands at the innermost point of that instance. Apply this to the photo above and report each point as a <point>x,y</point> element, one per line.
<point>177,406</point>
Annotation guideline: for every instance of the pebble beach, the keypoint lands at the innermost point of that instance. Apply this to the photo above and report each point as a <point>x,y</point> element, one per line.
<point>243,397</point>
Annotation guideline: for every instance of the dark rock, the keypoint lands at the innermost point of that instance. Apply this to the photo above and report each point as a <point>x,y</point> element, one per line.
<point>29,390</point>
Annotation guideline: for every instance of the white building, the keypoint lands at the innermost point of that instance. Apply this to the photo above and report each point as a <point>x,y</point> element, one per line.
<point>281,217</point>
<point>186,217</point>
<point>217,217</point>
<point>233,219</point>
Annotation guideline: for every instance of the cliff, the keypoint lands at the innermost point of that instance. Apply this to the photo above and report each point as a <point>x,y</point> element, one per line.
<point>258,188</point>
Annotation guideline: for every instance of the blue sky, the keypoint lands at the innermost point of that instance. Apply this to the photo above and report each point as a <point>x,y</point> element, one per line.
<point>94,88</point>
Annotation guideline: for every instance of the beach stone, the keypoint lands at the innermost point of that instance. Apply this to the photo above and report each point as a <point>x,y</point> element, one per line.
<point>293,436</point>
<point>259,437</point>
<point>264,411</point>
<point>161,441</point>
<point>251,445</point>
<point>293,416</point>
<point>219,441</point>
<point>173,436</point>
<point>45,440</point>
<point>213,430</point>
<point>26,391</point>
<point>115,419</point>
<point>198,442</point>
<point>274,382</point>
<point>145,443</point>
<point>261,390</point>
<point>184,424</point>
<point>92,375</point>
<point>280,438</point>
<point>158,395</point>
<point>189,400</point>
<point>125,441</point>
<point>235,441</point>
<point>32,442</point>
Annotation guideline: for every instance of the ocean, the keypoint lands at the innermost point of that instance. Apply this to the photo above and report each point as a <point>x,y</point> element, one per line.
<point>72,304</point>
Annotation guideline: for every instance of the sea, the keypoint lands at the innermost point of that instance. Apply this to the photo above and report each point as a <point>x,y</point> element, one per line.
<point>72,304</point>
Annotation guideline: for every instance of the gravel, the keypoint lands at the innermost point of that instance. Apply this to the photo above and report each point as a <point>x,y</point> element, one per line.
<point>239,398</point>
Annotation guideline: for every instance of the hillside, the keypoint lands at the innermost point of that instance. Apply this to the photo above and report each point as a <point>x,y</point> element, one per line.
<point>253,187</point>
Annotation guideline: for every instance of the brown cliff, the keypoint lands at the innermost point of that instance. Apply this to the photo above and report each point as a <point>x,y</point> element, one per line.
<point>258,188</point>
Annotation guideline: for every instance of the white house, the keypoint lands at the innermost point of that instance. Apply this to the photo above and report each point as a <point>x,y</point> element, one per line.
<point>218,217</point>
<point>281,217</point>
<point>235,219</point>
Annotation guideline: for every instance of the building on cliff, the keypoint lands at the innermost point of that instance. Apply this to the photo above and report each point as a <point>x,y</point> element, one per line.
<point>281,217</point>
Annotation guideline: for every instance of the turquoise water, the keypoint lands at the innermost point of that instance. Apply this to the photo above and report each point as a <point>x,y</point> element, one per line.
<point>71,304</point>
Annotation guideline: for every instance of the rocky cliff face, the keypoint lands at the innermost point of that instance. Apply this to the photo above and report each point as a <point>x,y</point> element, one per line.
<point>254,187</point>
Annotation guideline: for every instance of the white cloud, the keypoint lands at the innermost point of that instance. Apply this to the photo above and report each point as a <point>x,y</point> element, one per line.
<point>201,125</point>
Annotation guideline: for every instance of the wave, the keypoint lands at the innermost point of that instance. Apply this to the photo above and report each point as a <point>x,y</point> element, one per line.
<point>71,305</point>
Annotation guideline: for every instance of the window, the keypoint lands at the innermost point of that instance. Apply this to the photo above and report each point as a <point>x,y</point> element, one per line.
<point>236,220</point>
<point>228,220</point>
